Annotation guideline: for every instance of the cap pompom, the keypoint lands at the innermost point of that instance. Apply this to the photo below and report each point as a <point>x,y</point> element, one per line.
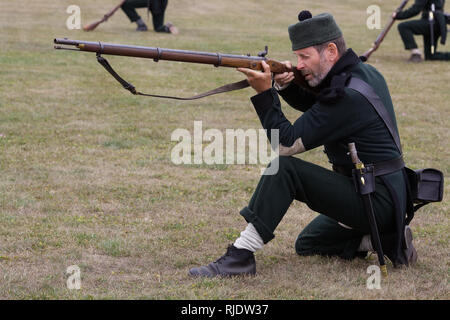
<point>305,14</point>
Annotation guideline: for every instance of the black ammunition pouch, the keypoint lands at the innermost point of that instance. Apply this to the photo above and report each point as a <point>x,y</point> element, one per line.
<point>426,185</point>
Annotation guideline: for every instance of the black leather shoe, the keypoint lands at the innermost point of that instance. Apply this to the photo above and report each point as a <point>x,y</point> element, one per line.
<point>234,262</point>
<point>410,251</point>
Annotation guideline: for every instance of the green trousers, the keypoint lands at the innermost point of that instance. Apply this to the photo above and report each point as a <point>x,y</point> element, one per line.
<point>330,194</point>
<point>157,8</point>
<point>410,28</point>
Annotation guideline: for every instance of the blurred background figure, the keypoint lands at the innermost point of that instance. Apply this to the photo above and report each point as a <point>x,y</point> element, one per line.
<point>431,26</point>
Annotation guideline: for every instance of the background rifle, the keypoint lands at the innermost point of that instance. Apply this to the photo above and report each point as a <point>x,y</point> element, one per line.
<point>431,21</point>
<point>383,33</point>
<point>94,25</point>
<point>216,59</point>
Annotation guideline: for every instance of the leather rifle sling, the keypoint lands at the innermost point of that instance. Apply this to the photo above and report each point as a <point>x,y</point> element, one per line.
<point>126,85</point>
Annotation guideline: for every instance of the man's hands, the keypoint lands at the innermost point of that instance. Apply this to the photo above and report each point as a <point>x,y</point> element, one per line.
<point>283,79</point>
<point>260,81</point>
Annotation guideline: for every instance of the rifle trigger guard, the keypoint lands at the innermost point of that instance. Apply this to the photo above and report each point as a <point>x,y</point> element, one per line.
<point>219,60</point>
<point>159,51</point>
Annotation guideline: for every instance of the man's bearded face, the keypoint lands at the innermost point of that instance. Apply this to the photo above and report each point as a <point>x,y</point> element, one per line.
<point>314,66</point>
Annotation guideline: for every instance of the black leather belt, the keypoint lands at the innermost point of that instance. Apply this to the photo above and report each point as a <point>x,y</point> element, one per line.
<point>380,168</point>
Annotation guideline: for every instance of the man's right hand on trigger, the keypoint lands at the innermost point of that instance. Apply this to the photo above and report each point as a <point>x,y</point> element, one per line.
<point>283,79</point>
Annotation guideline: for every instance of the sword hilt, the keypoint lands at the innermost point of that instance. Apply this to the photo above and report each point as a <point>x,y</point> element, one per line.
<point>358,163</point>
<point>384,270</point>
<point>354,156</point>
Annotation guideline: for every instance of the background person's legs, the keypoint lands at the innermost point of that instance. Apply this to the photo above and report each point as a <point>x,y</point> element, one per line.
<point>129,7</point>
<point>407,31</point>
<point>158,8</point>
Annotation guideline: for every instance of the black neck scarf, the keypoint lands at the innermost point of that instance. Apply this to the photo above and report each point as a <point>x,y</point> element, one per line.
<point>332,86</point>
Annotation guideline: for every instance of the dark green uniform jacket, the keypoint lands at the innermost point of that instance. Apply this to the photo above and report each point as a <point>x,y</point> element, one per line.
<point>424,6</point>
<point>337,116</point>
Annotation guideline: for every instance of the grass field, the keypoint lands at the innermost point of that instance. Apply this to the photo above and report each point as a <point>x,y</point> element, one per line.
<point>86,171</point>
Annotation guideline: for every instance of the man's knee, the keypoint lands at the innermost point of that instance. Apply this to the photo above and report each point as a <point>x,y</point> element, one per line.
<point>402,27</point>
<point>286,166</point>
<point>307,240</point>
<point>279,167</point>
<point>126,5</point>
<point>289,163</point>
<point>303,245</point>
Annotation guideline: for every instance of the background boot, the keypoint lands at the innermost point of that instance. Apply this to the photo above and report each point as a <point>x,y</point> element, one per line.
<point>234,262</point>
<point>415,57</point>
<point>141,26</point>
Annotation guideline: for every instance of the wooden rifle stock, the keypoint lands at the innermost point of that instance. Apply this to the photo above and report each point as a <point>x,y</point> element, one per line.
<point>94,25</point>
<point>383,33</point>
<point>216,59</point>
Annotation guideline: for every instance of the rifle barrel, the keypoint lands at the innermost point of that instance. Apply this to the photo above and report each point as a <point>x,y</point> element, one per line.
<point>156,53</point>
<point>217,59</point>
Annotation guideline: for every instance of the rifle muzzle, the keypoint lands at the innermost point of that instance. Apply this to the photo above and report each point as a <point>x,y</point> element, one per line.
<point>66,42</point>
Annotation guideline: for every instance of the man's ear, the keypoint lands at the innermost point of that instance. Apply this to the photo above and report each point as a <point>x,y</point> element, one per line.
<point>333,52</point>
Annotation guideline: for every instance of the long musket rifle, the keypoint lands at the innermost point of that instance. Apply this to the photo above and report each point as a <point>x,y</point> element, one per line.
<point>383,33</point>
<point>216,59</point>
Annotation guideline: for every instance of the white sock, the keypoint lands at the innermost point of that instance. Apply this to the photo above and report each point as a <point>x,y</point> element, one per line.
<point>416,51</point>
<point>366,244</point>
<point>249,239</point>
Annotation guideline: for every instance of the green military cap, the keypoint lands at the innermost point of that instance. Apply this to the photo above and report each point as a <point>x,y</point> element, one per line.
<point>311,31</point>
